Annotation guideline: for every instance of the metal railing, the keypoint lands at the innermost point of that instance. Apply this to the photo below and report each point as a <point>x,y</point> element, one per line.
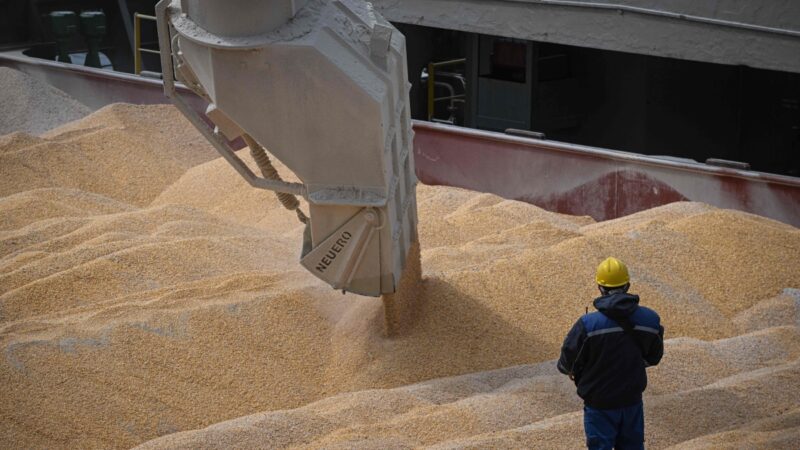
<point>432,99</point>
<point>137,42</point>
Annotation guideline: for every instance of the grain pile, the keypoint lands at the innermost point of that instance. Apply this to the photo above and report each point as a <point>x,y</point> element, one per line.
<point>169,302</point>
<point>128,153</point>
<point>532,406</point>
<point>32,106</point>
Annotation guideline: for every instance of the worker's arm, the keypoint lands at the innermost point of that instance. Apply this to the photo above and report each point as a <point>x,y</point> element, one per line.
<point>571,348</point>
<point>656,348</point>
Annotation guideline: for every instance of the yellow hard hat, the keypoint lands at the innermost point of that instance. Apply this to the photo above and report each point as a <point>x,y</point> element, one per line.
<point>612,273</point>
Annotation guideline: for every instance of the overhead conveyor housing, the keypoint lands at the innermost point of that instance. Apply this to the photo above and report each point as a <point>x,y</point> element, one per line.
<point>323,87</point>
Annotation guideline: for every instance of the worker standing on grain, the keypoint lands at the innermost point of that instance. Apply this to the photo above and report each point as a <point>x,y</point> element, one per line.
<point>606,353</point>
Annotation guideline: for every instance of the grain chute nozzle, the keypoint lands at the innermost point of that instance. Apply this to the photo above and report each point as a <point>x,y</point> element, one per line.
<point>322,85</point>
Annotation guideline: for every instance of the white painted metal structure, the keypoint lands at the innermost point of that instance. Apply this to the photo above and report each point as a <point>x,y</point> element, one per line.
<point>322,85</point>
<point>756,33</point>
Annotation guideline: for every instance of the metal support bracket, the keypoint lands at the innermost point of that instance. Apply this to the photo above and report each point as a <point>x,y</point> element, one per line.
<point>216,139</point>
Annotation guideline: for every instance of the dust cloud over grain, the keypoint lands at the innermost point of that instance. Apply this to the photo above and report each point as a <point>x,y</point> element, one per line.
<point>32,106</point>
<point>146,290</point>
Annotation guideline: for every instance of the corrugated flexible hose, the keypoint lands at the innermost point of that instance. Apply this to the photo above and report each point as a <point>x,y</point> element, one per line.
<point>288,201</point>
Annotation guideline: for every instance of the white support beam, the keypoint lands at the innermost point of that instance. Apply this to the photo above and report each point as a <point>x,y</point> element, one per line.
<point>760,34</point>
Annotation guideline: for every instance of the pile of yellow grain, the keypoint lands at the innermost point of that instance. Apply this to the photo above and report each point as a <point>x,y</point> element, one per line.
<point>139,298</point>
<point>732,390</point>
<point>33,106</point>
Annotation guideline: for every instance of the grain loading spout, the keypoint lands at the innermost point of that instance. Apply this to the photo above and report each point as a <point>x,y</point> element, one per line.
<point>323,85</point>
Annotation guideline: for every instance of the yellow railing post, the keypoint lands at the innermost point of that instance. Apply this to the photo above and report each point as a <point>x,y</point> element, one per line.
<point>137,41</point>
<point>432,82</point>
<point>431,89</point>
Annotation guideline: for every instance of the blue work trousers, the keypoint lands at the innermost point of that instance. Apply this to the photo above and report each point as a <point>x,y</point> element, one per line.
<point>619,428</point>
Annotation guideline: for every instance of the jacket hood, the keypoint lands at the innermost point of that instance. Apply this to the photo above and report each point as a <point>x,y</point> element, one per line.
<point>617,305</point>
